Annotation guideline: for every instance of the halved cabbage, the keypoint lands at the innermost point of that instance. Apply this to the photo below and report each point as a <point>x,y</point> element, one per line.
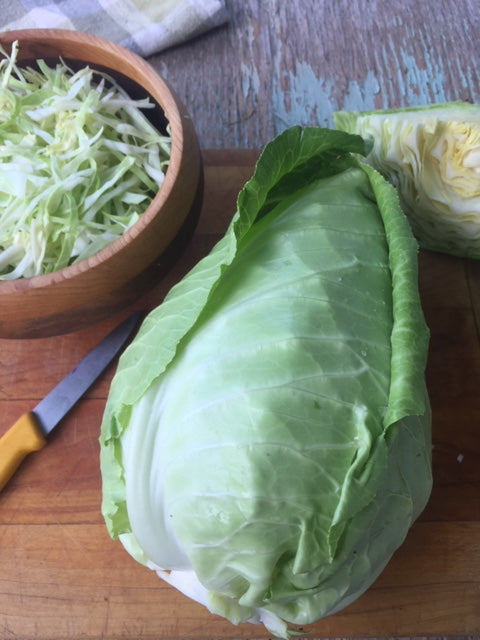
<point>432,156</point>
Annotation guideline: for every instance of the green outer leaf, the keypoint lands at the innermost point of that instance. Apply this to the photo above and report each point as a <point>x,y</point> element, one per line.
<point>286,154</point>
<point>169,324</point>
<point>410,336</point>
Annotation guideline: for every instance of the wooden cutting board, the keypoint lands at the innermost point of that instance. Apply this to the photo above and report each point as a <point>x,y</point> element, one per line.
<point>62,577</point>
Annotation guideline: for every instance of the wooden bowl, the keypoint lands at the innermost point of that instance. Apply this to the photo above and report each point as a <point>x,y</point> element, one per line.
<point>87,292</point>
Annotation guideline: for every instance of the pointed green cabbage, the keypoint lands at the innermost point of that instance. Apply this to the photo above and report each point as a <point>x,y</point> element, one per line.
<point>432,156</point>
<point>266,441</point>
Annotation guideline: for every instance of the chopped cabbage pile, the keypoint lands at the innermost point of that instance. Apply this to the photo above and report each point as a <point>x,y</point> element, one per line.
<point>79,163</point>
<point>266,441</point>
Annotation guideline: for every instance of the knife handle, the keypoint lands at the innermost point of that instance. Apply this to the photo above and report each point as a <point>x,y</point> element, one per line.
<point>22,438</point>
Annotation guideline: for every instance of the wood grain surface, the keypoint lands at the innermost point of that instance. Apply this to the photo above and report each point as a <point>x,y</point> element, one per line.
<point>61,577</point>
<point>275,64</point>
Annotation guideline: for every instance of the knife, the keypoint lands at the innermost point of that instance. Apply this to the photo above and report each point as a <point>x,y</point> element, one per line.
<point>29,433</point>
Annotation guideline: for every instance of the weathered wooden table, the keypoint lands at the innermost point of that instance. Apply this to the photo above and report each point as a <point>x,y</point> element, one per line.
<point>273,65</point>
<point>278,63</point>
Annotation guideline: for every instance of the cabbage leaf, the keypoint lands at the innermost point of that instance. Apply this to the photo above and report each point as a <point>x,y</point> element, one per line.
<point>266,441</point>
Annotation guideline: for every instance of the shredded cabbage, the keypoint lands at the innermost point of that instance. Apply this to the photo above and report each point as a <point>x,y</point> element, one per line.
<point>79,163</point>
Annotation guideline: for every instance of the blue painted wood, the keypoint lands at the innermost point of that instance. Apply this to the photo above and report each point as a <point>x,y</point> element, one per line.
<point>278,63</point>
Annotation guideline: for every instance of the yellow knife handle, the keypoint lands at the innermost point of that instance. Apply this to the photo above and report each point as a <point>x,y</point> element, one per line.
<point>24,437</point>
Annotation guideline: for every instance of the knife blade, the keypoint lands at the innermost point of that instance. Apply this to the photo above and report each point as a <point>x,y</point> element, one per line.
<point>29,433</point>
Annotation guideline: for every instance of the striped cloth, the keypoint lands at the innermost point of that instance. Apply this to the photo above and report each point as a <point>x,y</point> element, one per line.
<point>143,26</point>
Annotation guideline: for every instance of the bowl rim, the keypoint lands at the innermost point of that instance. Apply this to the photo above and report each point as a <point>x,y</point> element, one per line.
<point>167,101</point>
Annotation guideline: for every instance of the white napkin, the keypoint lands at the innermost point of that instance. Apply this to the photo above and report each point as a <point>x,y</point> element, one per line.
<point>143,26</point>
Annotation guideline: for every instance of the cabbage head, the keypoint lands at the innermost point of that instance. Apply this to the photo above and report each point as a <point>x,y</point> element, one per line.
<point>266,441</point>
<point>432,156</point>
